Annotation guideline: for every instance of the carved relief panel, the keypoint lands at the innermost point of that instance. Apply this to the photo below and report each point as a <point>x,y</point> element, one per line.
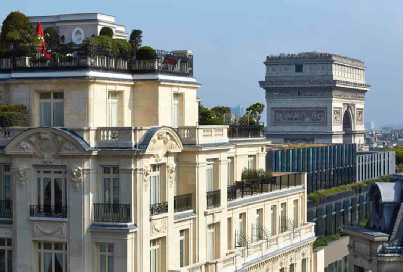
<point>45,230</point>
<point>337,117</point>
<point>158,227</point>
<point>299,116</point>
<point>360,116</point>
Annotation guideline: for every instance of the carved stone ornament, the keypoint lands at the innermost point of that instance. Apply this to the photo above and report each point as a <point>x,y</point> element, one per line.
<point>158,227</point>
<point>299,116</point>
<point>337,116</point>
<point>171,173</point>
<point>49,230</point>
<point>77,176</point>
<point>21,175</point>
<point>162,143</point>
<point>43,144</point>
<point>360,116</point>
<point>146,174</point>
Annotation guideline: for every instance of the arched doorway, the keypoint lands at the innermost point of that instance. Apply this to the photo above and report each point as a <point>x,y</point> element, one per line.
<point>347,127</point>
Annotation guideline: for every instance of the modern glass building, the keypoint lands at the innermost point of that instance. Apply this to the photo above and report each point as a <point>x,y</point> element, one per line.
<point>326,165</point>
<point>332,165</point>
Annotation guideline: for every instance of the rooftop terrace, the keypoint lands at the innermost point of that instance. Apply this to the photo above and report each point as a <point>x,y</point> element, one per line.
<point>179,63</point>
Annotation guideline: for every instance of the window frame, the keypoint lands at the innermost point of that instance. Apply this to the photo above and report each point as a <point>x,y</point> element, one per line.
<point>52,101</point>
<point>111,181</point>
<point>107,253</point>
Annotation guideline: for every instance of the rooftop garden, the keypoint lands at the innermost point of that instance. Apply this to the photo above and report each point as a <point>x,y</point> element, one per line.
<point>318,196</point>
<point>246,126</point>
<point>24,46</point>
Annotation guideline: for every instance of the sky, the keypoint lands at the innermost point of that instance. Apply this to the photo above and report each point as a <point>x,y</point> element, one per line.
<point>230,40</point>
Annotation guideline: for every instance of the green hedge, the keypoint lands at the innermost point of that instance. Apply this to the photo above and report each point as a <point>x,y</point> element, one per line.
<point>317,196</point>
<point>323,241</point>
<point>106,46</point>
<point>146,53</point>
<point>13,115</point>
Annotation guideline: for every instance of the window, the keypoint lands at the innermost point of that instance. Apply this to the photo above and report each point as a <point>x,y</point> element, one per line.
<point>184,248</point>
<point>229,233</point>
<point>210,175</point>
<point>241,235</point>
<point>211,245</point>
<point>358,268</point>
<point>282,269</point>
<point>175,110</point>
<point>258,226</point>
<point>231,170</point>
<point>111,184</point>
<point>105,257</point>
<point>283,217</point>
<point>52,257</point>
<point>292,268</point>
<point>155,184</point>
<point>251,162</point>
<point>155,256</point>
<point>304,265</point>
<point>296,213</point>
<point>5,182</point>
<point>51,191</point>
<point>6,255</point>
<point>299,68</point>
<point>51,109</point>
<point>113,109</point>
<point>273,217</point>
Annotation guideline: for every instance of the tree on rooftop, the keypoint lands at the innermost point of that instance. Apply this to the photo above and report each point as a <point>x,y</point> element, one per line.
<point>136,38</point>
<point>52,39</point>
<point>106,31</point>
<point>17,35</point>
<point>253,114</point>
<point>222,113</point>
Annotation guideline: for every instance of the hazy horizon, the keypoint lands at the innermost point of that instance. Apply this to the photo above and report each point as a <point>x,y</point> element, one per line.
<point>231,40</point>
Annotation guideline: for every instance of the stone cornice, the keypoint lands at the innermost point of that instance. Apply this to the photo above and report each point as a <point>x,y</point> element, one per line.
<point>312,83</point>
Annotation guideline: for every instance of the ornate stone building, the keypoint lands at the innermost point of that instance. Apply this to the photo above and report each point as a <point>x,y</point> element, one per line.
<point>379,246</point>
<point>115,174</point>
<point>315,98</point>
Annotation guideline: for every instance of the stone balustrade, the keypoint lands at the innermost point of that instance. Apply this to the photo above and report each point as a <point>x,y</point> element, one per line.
<point>211,134</point>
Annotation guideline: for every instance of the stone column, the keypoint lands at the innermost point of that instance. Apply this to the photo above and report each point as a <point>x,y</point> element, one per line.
<point>22,239</point>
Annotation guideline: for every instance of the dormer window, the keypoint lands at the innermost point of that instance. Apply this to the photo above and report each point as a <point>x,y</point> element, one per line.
<point>51,109</point>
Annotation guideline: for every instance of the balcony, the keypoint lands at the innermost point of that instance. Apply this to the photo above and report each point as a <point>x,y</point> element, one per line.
<point>158,208</point>
<point>237,131</point>
<point>213,199</point>
<point>183,203</point>
<point>6,209</point>
<point>279,181</point>
<point>112,213</point>
<point>211,134</point>
<point>48,211</point>
<point>179,63</point>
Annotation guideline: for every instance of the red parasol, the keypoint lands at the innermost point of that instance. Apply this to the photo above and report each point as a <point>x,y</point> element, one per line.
<point>42,44</point>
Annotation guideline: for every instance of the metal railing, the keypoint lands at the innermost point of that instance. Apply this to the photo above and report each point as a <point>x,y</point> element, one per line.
<point>183,202</point>
<point>159,208</point>
<point>165,62</point>
<point>213,199</point>
<point>48,211</point>
<point>243,131</point>
<point>112,213</point>
<point>244,188</point>
<point>6,209</point>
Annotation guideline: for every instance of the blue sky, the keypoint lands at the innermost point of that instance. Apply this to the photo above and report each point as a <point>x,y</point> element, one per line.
<point>230,39</point>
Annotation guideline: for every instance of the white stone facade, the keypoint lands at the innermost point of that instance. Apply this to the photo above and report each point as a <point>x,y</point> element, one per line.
<point>126,180</point>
